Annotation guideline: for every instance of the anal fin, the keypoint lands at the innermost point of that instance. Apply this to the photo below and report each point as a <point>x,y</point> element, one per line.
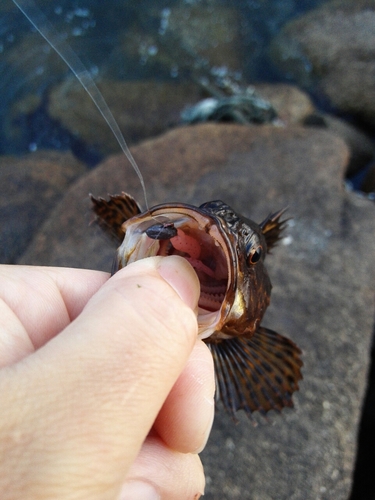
<point>256,374</point>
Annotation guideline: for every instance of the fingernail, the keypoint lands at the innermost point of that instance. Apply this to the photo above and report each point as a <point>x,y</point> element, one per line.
<point>136,490</point>
<point>182,277</point>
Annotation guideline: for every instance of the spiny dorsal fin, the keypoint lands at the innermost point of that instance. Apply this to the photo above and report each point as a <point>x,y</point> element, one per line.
<point>111,214</point>
<point>256,374</point>
<point>272,228</point>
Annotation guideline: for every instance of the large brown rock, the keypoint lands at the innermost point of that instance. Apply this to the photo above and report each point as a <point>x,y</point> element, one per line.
<point>292,105</point>
<point>323,296</point>
<point>147,108</point>
<point>335,45</point>
<point>142,109</point>
<point>31,186</point>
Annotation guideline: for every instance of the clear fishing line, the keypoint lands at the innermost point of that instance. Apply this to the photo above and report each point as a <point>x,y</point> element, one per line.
<point>67,54</point>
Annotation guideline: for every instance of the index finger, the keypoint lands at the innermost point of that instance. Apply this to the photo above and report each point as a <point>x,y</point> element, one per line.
<point>36,303</point>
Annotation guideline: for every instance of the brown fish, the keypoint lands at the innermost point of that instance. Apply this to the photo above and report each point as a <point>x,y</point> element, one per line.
<point>256,368</point>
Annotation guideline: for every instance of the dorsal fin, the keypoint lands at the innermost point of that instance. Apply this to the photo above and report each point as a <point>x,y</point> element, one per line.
<point>272,228</point>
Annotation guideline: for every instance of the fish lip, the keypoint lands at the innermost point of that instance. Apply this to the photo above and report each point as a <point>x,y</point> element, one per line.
<point>137,245</point>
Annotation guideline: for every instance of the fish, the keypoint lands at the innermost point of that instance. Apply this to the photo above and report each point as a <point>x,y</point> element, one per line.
<point>256,369</point>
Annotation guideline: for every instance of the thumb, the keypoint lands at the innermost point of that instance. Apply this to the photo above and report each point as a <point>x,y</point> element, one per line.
<point>89,397</point>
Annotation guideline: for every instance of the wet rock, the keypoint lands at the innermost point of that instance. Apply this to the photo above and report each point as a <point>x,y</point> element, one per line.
<point>361,147</point>
<point>212,31</point>
<point>30,66</point>
<point>142,109</point>
<point>28,61</point>
<point>334,45</point>
<point>323,295</point>
<point>32,58</point>
<point>234,102</point>
<point>31,186</point>
<point>292,105</point>
<point>186,32</point>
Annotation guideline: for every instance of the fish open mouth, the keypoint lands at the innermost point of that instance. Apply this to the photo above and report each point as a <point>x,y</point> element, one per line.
<point>197,238</point>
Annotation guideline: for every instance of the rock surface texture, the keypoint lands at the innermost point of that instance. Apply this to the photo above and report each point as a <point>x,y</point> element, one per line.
<point>323,295</point>
<point>334,45</point>
<point>142,109</point>
<point>31,186</point>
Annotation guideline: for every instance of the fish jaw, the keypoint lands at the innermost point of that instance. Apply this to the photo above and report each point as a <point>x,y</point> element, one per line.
<point>234,295</point>
<point>201,243</point>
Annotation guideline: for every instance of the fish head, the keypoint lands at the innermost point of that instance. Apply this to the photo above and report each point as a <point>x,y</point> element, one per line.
<point>256,368</point>
<point>226,251</point>
<point>249,295</point>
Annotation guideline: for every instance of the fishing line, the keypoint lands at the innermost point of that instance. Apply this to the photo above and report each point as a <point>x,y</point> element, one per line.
<point>67,54</point>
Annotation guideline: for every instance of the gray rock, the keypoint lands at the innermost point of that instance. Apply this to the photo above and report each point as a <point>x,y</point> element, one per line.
<point>142,109</point>
<point>361,147</point>
<point>334,45</point>
<point>323,296</point>
<point>31,186</point>
<point>293,106</point>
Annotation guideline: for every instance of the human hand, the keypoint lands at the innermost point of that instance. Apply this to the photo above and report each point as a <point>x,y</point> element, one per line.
<point>105,391</point>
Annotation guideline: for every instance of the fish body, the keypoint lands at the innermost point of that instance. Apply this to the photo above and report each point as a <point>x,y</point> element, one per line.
<point>256,369</point>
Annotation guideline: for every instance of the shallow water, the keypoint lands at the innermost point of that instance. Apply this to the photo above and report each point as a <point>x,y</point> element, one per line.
<point>125,41</point>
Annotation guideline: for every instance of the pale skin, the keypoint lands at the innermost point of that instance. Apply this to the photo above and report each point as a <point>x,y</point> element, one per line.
<point>105,391</point>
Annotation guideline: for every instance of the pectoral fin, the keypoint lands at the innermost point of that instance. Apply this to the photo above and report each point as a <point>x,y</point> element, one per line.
<point>113,213</point>
<point>256,374</point>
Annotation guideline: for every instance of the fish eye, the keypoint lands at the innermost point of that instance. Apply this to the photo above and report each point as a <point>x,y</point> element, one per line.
<point>255,255</point>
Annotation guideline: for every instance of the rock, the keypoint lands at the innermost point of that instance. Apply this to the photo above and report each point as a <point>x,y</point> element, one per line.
<point>31,186</point>
<point>33,58</point>
<point>186,32</point>
<point>142,109</point>
<point>361,147</point>
<point>30,65</point>
<point>293,106</point>
<point>335,45</point>
<point>323,296</point>
<point>212,31</point>
<point>29,60</point>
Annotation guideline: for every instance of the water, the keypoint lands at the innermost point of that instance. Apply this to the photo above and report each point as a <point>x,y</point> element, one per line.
<point>126,41</point>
